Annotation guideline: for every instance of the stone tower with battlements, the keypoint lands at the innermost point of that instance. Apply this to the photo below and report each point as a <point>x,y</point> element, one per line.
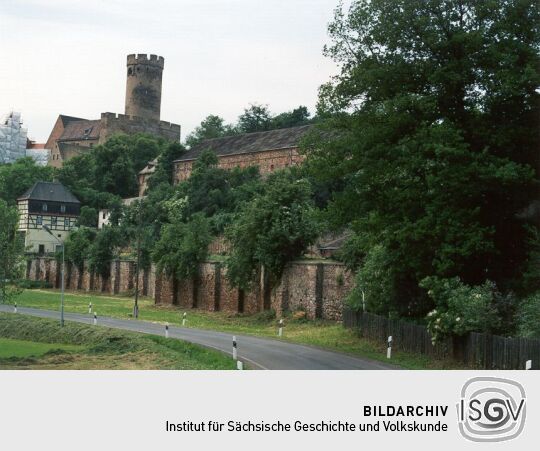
<point>73,136</point>
<point>143,86</point>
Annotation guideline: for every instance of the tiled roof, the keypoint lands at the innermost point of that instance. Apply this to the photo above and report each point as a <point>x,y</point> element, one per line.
<point>81,129</point>
<point>284,138</point>
<point>49,191</point>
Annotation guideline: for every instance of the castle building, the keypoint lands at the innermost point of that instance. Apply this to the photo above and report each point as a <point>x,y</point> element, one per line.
<point>269,150</point>
<point>50,204</point>
<point>72,136</point>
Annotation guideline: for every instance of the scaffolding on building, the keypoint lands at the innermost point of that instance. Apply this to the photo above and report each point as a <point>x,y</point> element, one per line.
<point>13,138</point>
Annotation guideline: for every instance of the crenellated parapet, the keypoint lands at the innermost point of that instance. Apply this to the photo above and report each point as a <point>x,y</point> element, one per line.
<point>143,58</point>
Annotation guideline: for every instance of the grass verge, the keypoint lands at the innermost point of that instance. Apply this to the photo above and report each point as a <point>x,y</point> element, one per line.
<point>37,343</point>
<point>319,333</point>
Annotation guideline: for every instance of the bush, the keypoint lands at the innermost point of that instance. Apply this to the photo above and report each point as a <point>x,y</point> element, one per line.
<point>376,279</point>
<point>529,317</point>
<point>460,308</point>
<point>33,284</point>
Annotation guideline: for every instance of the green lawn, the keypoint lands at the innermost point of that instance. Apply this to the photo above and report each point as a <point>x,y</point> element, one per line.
<point>10,348</point>
<point>324,334</point>
<point>37,343</point>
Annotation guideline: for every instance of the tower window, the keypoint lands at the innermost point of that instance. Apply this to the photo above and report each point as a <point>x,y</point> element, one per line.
<point>130,71</point>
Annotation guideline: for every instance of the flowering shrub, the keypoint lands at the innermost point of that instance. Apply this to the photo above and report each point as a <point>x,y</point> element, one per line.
<point>460,308</point>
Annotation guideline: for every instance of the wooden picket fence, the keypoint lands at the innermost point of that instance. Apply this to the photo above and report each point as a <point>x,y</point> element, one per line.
<point>476,350</point>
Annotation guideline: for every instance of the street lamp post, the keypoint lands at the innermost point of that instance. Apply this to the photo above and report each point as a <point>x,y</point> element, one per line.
<point>62,274</point>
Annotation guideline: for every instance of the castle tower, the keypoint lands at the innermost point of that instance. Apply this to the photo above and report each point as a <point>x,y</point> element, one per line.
<point>143,86</point>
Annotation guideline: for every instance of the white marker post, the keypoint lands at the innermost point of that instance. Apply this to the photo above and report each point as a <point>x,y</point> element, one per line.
<point>184,320</point>
<point>234,350</point>
<point>280,330</point>
<point>389,349</point>
<point>95,318</point>
<point>528,364</point>
<point>167,330</point>
<point>15,308</point>
<point>239,365</point>
<point>90,308</point>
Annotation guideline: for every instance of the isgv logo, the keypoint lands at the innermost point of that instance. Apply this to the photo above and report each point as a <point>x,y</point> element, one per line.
<point>491,409</point>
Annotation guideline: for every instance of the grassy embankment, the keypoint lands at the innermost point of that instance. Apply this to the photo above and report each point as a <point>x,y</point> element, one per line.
<point>324,334</point>
<point>37,343</point>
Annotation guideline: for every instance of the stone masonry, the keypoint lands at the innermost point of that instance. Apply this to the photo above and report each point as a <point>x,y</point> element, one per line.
<point>318,288</point>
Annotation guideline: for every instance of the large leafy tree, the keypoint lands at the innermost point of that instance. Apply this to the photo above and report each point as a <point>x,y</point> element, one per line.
<point>11,252</point>
<point>255,118</point>
<point>294,118</point>
<point>17,177</point>
<point>109,171</point>
<point>211,127</point>
<point>182,247</point>
<point>433,138</point>
<point>272,229</point>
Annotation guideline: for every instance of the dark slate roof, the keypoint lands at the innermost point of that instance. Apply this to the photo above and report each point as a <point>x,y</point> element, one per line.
<point>81,129</point>
<point>284,138</point>
<point>51,192</point>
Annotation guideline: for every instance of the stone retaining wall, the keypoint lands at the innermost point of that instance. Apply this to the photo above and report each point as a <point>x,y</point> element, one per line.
<point>318,288</point>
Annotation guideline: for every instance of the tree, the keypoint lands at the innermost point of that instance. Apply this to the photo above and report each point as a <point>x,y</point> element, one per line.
<point>432,137</point>
<point>256,118</point>
<point>211,127</point>
<point>78,246</point>
<point>182,247</point>
<point>11,252</point>
<point>103,249</point>
<point>109,171</point>
<point>271,229</point>
<point>529,312</point>
<point>294,118</point>
<point>164,172</point>
<point>114,169</point>
<point>88,217</point>
<point>17,177</point>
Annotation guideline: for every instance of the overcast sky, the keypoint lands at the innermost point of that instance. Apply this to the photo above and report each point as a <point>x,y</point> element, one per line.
<point>69,56</point>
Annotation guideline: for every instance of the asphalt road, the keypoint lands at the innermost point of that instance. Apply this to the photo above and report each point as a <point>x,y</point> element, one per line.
<point>258,353</point>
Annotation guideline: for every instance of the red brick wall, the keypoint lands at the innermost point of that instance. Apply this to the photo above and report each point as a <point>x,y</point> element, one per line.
<point>267,161</point>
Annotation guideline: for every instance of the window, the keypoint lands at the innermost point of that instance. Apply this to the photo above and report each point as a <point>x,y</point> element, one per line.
<point>39,220</point>
<point>66,222</point>
<point>62,208</point>
<point>41,249</point>
<point>44,207</point>
<point>54,221</point>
